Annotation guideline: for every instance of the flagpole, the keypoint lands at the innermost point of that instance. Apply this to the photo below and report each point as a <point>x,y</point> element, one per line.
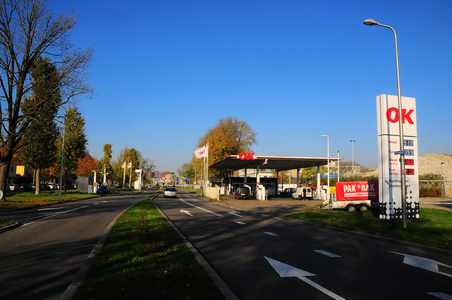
<point>124,177</point>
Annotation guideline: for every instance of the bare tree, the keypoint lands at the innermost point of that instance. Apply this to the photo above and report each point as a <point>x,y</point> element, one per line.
<point>28,31</point>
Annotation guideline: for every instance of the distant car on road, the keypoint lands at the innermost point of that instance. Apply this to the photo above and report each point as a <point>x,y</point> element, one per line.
<point>242,192</point>
<point>170,191</point>
<point>103,190</point>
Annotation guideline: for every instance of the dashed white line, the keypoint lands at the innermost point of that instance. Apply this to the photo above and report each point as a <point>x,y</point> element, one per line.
<point>56,214</point>
<point>271,233</point>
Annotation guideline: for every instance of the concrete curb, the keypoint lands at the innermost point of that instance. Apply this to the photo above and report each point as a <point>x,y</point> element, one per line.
<point>9,227</point>
<point>222,286</point>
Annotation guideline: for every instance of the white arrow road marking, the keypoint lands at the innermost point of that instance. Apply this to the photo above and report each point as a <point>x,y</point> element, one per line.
<point>187,212</point>
<point>423,263</point>
<point>271,233</point>
<point>329,254</point>
<point>56,214</point>
<point>285,270</point>
<point>211,212</point>
<point>441,295</point>
<point>235,213</point>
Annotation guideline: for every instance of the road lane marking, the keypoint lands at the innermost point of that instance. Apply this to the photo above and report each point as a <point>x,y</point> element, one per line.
<point>329,254</point>
<point>187,212</point>
<point>241,223</point>
<point>285,270</point>
<point>271,233</point>
<point>423,263</point>
<point>441,295</point>
<point>211,212</point>
<point>56,214</point>
<point>235,213</point>
<point>51,208</point>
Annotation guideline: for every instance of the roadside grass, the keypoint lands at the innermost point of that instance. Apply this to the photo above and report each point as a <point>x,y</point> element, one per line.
<point>29,199</point>
<point>4,223</point>
<point>434,227</point>
<point>122,189</point>
<point>144,258</point>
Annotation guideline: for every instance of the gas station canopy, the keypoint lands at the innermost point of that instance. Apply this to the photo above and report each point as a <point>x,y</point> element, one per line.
<point>279,163</point>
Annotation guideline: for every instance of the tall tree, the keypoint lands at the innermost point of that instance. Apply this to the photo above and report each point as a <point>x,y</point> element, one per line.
<point>39,140</point>
<point>229,137</point>
<point>106,161</point>
<point>74,141</point>
<point>28,30</point>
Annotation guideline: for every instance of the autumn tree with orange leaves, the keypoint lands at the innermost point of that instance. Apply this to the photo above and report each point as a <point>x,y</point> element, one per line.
<point>230,136</point>
<point>86,165</point>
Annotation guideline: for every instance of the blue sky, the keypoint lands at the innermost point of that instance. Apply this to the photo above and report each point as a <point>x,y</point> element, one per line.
<point>167,70</point>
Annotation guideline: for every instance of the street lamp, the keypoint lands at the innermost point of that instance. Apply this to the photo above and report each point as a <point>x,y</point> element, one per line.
<point>353,158</point>
<point>328,149</point>
<point>443,190</point>
<point>372,22</point>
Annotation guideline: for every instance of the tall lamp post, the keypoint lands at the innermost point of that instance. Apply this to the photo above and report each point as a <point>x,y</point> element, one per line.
<point>353,158</point>
<point>328,149</point>
<point>443,190</point>
<point>372,22</point>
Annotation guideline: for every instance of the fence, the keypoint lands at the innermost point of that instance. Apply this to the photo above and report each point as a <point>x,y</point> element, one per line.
<point>211,192</point>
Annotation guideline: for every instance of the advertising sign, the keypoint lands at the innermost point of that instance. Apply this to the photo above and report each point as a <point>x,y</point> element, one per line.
<point>359,190</point>
<point>390,177</point>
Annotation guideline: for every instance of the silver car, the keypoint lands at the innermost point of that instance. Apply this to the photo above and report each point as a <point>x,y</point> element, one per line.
<point>170,191</point>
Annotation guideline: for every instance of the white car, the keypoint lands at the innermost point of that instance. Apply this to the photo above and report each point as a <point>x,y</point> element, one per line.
<point>170,191</point>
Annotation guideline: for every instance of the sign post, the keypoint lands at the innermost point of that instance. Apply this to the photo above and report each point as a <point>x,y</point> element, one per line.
<point>398,169</point>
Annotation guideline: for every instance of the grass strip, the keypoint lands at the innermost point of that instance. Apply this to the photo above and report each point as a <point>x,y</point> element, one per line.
<point>144,258</point>
<point>434,227</point>
<point>29,199</point>
<point>4,223</point>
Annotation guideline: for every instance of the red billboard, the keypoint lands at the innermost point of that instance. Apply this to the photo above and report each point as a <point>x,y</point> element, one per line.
<point>358,190</point>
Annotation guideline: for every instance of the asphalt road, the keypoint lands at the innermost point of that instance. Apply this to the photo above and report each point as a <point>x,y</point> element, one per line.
<point>40,259</point>
<point>260,255</point>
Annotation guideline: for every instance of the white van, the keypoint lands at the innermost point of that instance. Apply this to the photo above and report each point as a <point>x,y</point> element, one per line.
<point>303,192</point>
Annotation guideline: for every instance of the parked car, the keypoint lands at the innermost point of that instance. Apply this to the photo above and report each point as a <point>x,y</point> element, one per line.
<point>103,190</point>
<point>170,191</point>
<point>26,187</point>
<point>303,192</point>
<point>287,192</point>
<point>51,186</point>
<point>242,192</point>
<point>14,187</point>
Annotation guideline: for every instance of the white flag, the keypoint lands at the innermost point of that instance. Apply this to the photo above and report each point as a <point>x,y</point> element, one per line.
<point>201,152</point>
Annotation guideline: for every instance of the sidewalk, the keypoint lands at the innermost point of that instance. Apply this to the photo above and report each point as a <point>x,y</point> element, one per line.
<point>436,202</point>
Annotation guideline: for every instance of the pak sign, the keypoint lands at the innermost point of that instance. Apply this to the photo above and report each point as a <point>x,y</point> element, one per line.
<point>390,156</point>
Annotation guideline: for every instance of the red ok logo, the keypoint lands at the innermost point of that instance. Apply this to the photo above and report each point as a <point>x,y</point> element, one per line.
<point>392,114</point>
<point>246,156</point>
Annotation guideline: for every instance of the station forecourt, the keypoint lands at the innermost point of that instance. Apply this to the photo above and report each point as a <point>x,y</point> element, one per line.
<point>247,161</point>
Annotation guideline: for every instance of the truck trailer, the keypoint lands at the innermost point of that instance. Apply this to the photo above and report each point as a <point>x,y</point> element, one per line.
<point>354,196</point>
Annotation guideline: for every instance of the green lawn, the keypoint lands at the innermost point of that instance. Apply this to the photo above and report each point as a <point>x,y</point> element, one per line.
<point>434,228</point>
<point>29,199</point>
<point>144,258</point>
